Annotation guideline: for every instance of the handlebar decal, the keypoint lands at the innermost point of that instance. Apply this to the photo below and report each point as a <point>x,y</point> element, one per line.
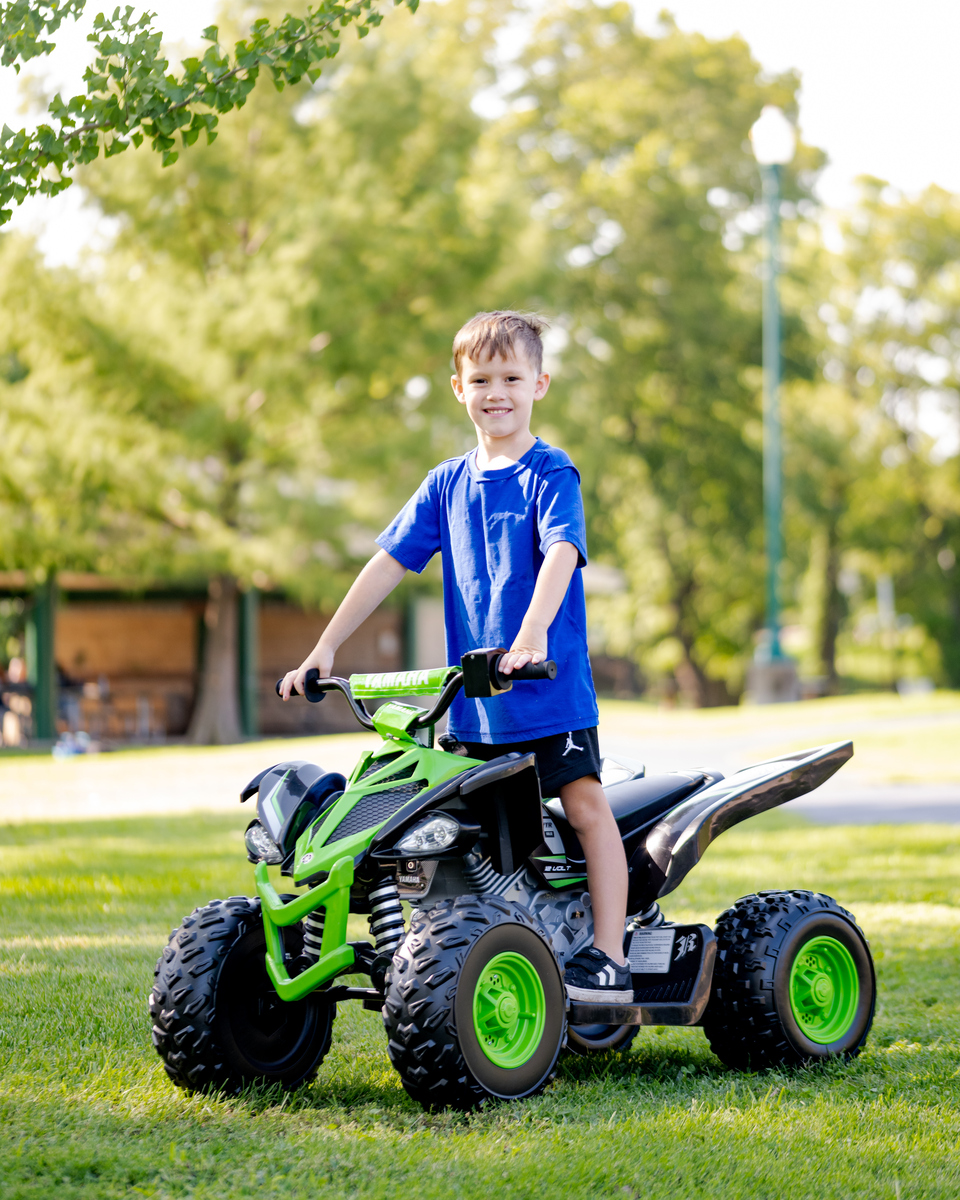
<point>402,683</point>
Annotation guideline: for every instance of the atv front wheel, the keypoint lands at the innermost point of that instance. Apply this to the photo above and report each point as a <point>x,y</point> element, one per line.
<point>217,1019</point>
<point>475,1007</point>
<point>794,982</point>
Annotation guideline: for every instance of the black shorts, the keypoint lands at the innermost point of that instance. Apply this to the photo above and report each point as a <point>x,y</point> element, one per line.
<point>561,757</point>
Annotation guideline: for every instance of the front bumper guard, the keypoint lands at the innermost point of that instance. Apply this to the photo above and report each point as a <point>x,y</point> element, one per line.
<point>336,954</point>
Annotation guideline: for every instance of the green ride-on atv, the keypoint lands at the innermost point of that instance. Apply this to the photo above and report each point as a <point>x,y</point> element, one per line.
<point>471,989</point>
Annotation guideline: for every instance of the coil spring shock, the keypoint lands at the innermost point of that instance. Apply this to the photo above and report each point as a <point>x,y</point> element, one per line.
<point>650,918</point>
<point>386,916</point>
<point>479,873</point>
<point>313,933</point>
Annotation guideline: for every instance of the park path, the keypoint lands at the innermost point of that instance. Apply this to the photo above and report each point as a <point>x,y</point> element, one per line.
<point>905,768</point>
<point>157,781</point>
<point>906,765</point>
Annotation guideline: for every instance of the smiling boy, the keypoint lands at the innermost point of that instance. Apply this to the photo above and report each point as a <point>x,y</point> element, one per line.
<point>508,520</point>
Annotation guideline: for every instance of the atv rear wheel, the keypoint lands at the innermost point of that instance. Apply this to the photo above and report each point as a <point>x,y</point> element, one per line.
<point>218,1021</point>
<point>475,1007</point>
<point>794,982</point>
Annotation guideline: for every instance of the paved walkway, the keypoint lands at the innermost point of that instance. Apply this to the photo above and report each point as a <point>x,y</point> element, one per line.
<point>155,782</point>
<point>895,776</point>
<point>906,765</point>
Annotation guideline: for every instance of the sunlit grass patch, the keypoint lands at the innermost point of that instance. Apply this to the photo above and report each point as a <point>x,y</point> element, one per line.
<point>87,1111</point>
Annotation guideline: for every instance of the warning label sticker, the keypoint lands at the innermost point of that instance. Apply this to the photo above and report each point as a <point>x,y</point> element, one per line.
<point>650,951</point>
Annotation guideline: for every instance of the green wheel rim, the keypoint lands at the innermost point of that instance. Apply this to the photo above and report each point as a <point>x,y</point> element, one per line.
<point>509,1010</point>
<point>824,990</point>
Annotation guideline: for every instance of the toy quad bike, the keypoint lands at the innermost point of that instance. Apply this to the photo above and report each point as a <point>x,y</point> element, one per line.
<point>471,992</point>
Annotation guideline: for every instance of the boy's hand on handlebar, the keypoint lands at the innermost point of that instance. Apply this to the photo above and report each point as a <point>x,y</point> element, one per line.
<point>293,681</point>
<point>530,646</point>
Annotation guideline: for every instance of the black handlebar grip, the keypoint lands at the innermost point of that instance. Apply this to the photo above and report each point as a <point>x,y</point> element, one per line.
<point>310,689</point>
<point>544,670</point>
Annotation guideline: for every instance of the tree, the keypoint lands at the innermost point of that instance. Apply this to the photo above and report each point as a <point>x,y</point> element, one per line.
<point>79,472</point>
<point>131,97</point>
<point>636,148</point>
<point>892,332</point>
<point>293,284</point>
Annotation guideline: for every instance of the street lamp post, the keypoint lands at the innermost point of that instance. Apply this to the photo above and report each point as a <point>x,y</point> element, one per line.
<point>773,675</point>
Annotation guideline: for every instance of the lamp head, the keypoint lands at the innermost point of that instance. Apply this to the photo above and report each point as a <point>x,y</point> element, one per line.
<point>772,137</point>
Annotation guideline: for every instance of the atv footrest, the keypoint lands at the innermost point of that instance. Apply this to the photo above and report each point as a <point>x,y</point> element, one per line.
<point>671,971</point>
<point>633,1014</point>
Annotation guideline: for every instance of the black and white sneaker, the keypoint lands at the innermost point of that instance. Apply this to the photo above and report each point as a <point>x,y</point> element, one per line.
<point>593,978</point>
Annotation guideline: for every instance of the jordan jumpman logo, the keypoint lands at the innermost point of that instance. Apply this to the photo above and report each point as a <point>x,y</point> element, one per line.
<point>571,745</point>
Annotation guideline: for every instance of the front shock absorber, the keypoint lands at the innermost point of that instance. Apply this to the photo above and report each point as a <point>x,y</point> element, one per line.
<point>386,916</point>
<point>313,933</point>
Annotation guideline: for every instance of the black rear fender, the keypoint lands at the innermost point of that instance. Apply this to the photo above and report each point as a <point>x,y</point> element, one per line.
<point>677,842</point>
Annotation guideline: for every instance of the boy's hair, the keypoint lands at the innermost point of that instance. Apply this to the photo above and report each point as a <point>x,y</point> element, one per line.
<point>497,333</point>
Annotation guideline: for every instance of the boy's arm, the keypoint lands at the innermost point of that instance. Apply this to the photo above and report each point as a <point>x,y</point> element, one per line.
<point>374,583</point>
<point>530,644</point>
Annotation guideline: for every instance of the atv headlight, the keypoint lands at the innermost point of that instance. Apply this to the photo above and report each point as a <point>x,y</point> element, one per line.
<point>260,845</point>
<point>435,832</point>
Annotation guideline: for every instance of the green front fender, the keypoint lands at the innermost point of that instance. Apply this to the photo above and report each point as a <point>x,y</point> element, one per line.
<point>333,895</point>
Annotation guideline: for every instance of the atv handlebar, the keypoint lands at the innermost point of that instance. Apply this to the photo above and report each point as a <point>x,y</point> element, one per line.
<point>543,670</point>
<point>315,688</point>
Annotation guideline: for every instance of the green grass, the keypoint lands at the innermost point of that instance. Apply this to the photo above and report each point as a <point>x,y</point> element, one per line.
<point>86,1110</point>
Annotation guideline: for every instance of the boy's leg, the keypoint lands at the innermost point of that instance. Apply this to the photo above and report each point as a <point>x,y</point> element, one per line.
<point>588,811</point>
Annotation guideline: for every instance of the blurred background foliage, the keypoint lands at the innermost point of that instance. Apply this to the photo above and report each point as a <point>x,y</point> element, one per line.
<point>254,375</point>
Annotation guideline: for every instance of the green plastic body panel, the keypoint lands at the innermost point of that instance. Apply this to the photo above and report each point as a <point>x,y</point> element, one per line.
<point>402,683</point>
<point>333,895</point>
<point>393,720</point>
<point>430,767</point>
<point>313,856</point>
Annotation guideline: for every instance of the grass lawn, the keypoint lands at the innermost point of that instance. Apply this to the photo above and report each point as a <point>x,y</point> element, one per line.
<point>86,1110</point>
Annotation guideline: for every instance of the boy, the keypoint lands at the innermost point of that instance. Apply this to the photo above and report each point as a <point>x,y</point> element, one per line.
<point>508,518</point>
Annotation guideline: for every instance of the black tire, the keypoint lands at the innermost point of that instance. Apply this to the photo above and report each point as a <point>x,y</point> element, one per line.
<point>750,1022</point>
<point>428,1012</point>
<point>595,1039</point>
<point>218,1022</point>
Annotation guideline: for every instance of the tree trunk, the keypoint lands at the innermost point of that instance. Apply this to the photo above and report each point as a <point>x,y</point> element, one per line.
<point>832,610</point>
<point>951,649</point>
<point>216,717</point>
<point>691,683</point>
<point>690,678</point>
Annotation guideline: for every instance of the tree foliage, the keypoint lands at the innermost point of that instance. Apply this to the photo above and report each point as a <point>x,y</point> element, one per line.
<point>636,148</point>
<point>130,95</point>
<point>891,351</point>
<point>297,283</point>
<point>254,376</point>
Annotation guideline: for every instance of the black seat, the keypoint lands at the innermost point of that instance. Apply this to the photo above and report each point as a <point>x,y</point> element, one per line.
<point>636,802</point>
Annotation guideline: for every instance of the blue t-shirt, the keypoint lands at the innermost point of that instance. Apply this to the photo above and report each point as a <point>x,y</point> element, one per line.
<point>493,529</point>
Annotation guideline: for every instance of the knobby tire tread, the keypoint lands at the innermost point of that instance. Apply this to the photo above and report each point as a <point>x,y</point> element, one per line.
<point>741,1022</point>
<point>421,988</point>
<point>182,1003</point>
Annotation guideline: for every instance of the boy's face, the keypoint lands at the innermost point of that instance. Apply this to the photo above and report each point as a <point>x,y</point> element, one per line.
<point>499,393</point>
